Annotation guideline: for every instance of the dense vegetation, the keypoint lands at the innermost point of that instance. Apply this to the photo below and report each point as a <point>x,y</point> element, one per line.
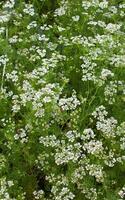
<point>62,100</point>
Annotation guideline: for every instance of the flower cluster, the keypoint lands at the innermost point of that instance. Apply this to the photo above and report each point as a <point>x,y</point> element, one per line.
<point>69,103</point>
<point>62,96</point>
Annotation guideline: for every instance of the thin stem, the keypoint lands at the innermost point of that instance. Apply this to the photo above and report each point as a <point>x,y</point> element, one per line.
<point>4,68</point>
<point>3,74</point>
<point>93,97</point>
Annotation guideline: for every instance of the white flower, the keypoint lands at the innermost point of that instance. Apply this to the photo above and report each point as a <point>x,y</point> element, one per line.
<point>29,9</point>
<point>103,4</point>
<point>61,29</point>
<point>16,136</point>
<point>15,108</point>
<point>76,18</point>
<point>69,103</point>
<point>122,193</point>
<point>42,37</point>
<point>33,24</point>
<point>10,183</point>
<point>38,194</point>
<point>105,73</point>
<point>94,147</point>
<point>3,60</point>
<point>62,9</point>
<point>88,72</point>
<point>9,4</point>
<point>22,133</point>
<point>2,30</point>
<point>113,27</point>
<point>46,99</point>
<point>87,134</point>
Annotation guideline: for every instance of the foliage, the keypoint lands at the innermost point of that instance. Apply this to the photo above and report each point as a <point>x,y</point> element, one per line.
<point>62,96</point>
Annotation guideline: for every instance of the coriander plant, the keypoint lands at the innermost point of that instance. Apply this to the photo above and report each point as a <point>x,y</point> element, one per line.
<point>62,99</point>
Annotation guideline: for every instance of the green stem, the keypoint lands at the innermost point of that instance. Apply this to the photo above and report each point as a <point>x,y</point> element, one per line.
<point>4,68</point>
